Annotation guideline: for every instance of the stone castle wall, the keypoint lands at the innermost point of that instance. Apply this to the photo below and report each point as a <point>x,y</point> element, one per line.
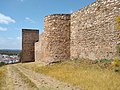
<point>87,33</point>
<point>56,37</point>
<point>39,48</point>
<point>29,37</point>
<point>93,34</point>
<point>54,43</point>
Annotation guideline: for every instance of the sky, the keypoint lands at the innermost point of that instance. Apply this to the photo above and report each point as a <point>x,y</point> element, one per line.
<point>29,14</point>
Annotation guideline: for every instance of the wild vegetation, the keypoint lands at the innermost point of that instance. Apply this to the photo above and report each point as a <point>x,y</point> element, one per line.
<point>3,71</point>
<point>25,79</point>
<point>117,19</point>
<point>117,59</point>
<point>2,63</point>
<point>88,75</point>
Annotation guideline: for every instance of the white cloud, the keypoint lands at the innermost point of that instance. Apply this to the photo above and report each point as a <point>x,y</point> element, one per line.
<point>19,38</point>
<point>29,20</point>
<point>71,11</point>
<point>10,43</point>
<point>6,19</point>
<point>3,29</point>
<point>10,38</point>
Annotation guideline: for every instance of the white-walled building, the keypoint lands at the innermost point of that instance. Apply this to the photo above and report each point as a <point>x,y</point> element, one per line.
<point>1,58</point>
<point>5,56</point>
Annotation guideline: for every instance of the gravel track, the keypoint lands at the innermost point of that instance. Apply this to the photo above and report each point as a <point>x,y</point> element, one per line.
<point>20,78</point>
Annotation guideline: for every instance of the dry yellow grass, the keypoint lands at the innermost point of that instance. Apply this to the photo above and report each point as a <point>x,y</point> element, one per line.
<point>85,75</point>
<point>25,79</point>
<point>3,71</point>
<point>117,19</point>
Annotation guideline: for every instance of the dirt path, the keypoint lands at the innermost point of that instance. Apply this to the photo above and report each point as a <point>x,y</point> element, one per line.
<point>44,82</point>
<point>20,78</point>
<point>15,81</point>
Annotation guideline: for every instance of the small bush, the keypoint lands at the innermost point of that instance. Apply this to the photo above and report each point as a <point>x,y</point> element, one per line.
<point>104,60</point>
<point>117,19</point>
<point>116,64</point>
<point>2,63</point>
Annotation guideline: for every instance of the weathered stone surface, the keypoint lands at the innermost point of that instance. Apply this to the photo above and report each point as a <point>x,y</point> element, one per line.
<point>55,45</point>
<point>93,34</point>
<point>29,37</point>
<point>87,33</point>
<point>39,48</point>
<point>56,37</point>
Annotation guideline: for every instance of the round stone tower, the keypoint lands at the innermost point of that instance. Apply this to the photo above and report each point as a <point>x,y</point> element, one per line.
<point>57,37</point>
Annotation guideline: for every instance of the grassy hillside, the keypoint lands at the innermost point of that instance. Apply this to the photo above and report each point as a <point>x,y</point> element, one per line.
<point>3,71</point>
<point>83,73</point>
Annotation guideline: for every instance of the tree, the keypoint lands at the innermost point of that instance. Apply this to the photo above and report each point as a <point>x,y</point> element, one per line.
<point>20,54</point>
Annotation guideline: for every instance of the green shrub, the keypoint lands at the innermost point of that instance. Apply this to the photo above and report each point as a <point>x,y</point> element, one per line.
<point>117,19</point>
<point>2,63</point>
<point>104,60</point>
<point>116,64</point>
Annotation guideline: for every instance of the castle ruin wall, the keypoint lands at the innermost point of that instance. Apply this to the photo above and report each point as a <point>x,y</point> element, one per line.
<point>87,33</point>
<point>57,37</point>
<point>93,32</point>
<point>39,48</point>
<point>29,37</point>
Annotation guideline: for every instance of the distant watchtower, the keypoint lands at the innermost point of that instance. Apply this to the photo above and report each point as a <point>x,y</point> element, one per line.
<point>29,37</point>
